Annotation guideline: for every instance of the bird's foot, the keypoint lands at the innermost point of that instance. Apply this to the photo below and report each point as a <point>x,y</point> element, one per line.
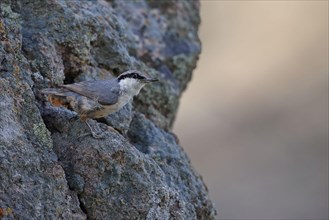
<point>95,131</point>
<point>98,135</point>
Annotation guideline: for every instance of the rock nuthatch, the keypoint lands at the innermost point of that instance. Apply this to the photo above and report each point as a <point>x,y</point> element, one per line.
<point>97,99</point>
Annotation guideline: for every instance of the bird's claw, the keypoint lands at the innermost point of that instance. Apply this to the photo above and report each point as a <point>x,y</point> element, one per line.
<point>98,135</point>
<point>95,131</point>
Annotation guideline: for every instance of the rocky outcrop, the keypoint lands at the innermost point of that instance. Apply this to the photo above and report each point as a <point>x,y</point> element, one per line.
<point>48,168</point>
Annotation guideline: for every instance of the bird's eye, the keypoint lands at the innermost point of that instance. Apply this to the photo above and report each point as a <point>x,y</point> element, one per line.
<point>131,75</point>
<point>137,76</point>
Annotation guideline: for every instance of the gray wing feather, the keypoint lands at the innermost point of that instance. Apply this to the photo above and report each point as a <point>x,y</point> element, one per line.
<point>105,92</point>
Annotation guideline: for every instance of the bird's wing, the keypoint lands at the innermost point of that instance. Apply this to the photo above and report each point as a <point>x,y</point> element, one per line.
<point>106,92</point>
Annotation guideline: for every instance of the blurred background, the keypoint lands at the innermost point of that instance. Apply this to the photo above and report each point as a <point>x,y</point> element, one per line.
<point>254,119</point>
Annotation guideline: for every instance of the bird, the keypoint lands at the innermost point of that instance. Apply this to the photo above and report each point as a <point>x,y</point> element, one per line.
<point>99,98</point>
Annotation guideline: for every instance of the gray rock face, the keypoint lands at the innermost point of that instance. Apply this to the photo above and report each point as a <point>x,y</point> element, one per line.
<point>48,168</point>
<point>32,181</point>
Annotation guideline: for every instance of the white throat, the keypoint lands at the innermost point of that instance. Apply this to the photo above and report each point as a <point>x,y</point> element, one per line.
<point>130,87</point>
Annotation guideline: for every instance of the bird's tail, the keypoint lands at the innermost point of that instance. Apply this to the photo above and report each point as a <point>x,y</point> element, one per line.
<point>57,96</point>
<point>54,91</point>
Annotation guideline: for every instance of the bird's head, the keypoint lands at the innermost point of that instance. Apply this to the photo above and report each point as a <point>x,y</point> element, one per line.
<point>132,81</point>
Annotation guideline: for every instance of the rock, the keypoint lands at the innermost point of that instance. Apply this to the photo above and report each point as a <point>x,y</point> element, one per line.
<point>32,182</point>
<point>49,167</point>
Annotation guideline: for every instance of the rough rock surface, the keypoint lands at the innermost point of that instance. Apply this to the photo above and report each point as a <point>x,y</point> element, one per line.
<point>48,168</point>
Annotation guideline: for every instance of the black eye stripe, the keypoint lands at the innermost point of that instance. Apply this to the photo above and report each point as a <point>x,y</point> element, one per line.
<point>131,75</point>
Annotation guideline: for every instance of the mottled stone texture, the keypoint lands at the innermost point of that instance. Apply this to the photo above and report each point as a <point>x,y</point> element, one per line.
<point>48,168</point>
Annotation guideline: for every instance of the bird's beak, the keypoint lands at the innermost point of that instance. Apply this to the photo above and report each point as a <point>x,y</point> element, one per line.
<point>150,80</point>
